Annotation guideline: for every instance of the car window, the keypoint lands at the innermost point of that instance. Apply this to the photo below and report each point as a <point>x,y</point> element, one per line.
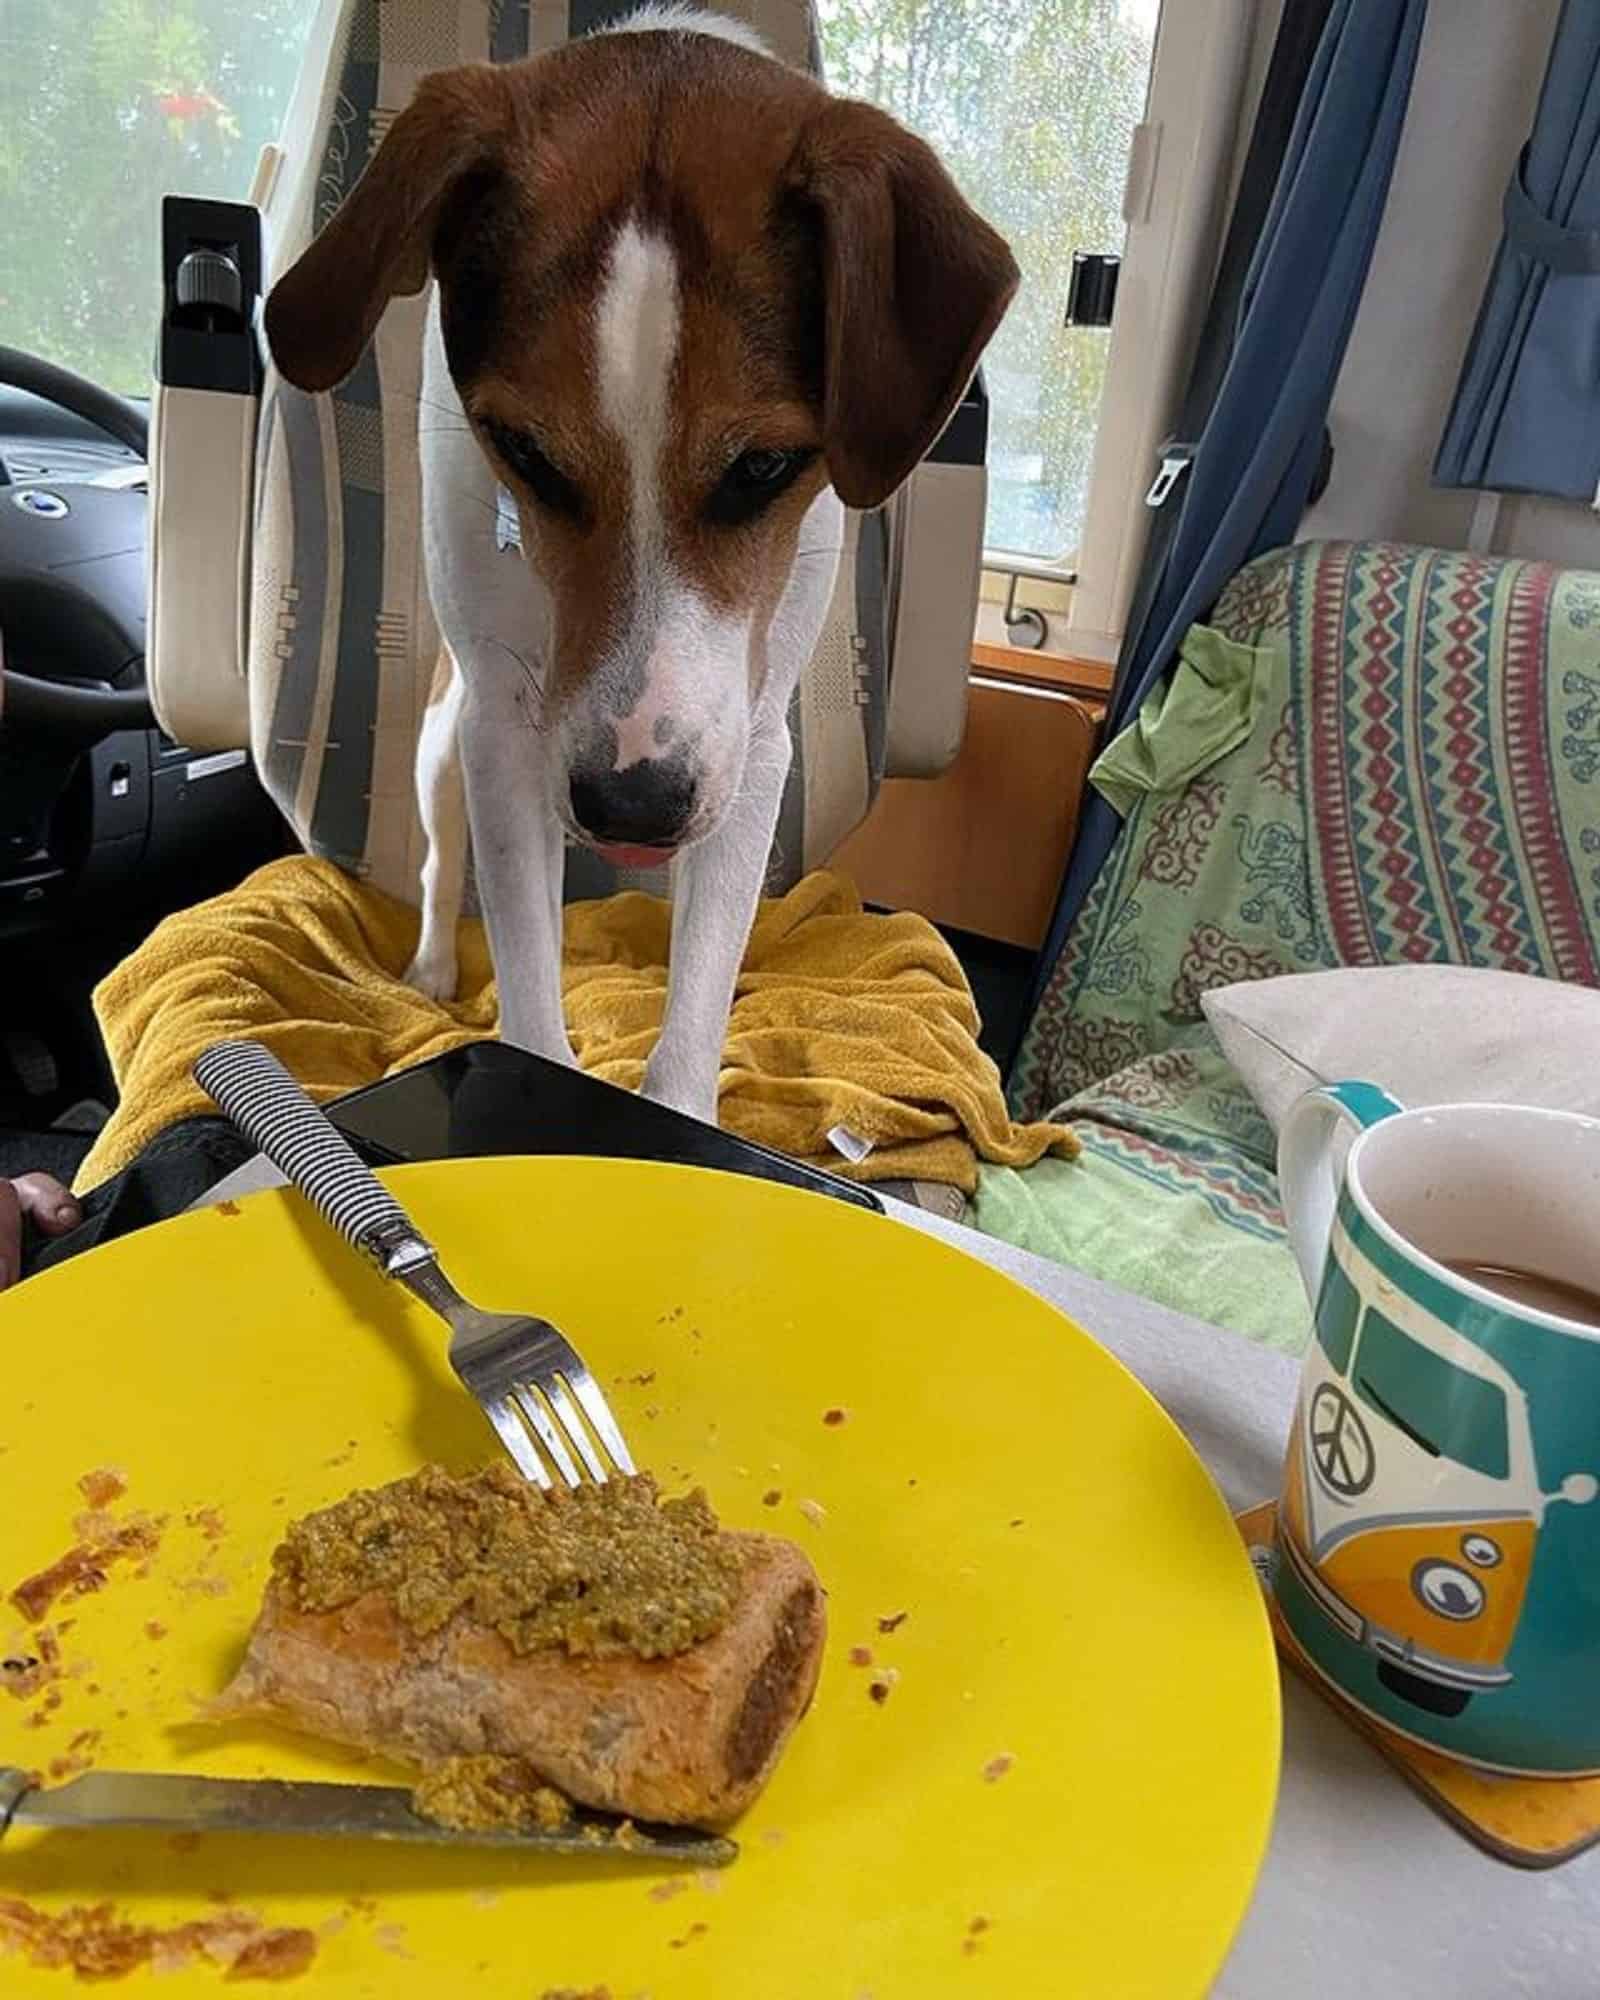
<point>105,106</point>
<point>1033,109</point>
<point>1444,1409</point>
<point>1338,1309</point>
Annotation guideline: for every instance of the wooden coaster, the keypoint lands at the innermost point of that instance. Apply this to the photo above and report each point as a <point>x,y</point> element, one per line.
<point>1530,1822</point>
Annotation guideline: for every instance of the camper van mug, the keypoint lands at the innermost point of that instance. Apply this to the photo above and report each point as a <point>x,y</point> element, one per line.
<point>1438,1542</point>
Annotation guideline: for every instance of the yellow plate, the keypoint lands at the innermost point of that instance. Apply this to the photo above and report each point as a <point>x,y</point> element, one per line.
<point>1067,1789</point>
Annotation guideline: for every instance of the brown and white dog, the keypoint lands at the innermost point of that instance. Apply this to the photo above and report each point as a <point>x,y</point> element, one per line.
<point>687,304</point>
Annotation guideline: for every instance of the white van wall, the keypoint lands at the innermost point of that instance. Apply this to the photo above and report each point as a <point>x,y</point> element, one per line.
<point>1477,84</point>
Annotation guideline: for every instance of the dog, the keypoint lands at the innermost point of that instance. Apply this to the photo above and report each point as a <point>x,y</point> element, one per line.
<point>686,307</point>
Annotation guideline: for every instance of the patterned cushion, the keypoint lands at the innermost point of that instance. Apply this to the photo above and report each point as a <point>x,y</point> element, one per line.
<point>1451,754</point>
<point>342,641</point>
<point>1420,784</point>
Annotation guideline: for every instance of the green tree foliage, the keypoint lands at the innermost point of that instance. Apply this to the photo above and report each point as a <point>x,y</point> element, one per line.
<point>106,105</point>
<point>1031,104</point>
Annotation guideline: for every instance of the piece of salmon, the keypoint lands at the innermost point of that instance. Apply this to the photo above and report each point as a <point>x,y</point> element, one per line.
<point>687,1740</point>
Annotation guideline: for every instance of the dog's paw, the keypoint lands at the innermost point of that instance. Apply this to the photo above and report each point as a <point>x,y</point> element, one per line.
<point>433,974</point>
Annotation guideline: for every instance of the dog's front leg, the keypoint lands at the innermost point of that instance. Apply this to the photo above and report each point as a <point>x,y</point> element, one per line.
<point>714,904</point>
<point>443,807</point>
<point>519,858</point>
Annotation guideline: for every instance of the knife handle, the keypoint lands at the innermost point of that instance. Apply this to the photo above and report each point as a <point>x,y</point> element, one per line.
<point>272,1111</point>
<point>15,1785</point>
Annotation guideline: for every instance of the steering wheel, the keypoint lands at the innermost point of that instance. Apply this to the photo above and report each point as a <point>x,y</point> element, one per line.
<point>80,715</point>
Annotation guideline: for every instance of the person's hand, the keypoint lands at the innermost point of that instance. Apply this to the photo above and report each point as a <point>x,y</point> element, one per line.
<point>45,1203</point>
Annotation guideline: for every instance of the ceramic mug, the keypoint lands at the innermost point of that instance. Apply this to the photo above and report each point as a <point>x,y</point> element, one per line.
<point>1438,1550</point>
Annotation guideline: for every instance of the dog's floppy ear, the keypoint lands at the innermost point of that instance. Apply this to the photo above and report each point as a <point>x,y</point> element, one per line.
<point>915,283</point>
<point>378,243</point>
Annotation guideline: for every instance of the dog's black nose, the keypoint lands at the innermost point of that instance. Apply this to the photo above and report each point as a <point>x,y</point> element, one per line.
<point>649,804</point>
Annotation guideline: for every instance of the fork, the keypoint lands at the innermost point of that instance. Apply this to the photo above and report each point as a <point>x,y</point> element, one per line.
<point>528,1377</point>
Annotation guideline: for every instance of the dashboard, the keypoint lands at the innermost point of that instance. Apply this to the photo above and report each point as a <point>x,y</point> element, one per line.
<point>134,814</point>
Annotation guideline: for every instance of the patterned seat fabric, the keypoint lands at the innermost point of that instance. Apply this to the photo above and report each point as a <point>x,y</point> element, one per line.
<point>1419,783</point>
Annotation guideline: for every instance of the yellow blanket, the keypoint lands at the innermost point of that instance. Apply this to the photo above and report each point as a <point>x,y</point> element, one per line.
<point>840,1019</point>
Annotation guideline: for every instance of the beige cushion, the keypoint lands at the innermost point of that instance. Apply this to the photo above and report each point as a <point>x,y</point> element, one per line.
<point>1428,1034</point>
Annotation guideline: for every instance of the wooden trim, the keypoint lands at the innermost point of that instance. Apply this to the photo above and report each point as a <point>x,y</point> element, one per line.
<point>982,847</point>
<point>1091,678</point>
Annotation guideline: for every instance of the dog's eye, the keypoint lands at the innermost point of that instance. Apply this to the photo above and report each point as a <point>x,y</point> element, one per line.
<point>546,482</point>
<point>753,482</point>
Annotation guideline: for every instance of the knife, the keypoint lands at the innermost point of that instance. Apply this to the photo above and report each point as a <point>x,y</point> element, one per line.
<point>176,1803</point>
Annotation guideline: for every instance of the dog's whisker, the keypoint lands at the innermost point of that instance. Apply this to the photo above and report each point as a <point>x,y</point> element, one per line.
<point>477,500</point>
<point>537,719</point>
<point>433,403</point>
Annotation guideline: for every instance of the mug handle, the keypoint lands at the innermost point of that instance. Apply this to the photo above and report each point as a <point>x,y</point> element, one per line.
<point>1308,1187</point>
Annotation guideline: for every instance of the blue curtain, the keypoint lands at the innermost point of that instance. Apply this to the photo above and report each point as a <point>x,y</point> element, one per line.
<point>1526,416</point>
<point>1258,452</point>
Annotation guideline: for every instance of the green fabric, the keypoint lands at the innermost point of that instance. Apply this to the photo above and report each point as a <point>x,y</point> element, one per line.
<point>1418,781</point>
<point>1175,1194</point>
<point>1207,708</point>
<point>1451,757</point>
<point>1093,1214</point>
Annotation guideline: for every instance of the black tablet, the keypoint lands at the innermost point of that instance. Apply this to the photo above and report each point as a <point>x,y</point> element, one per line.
<point>488,1099</point>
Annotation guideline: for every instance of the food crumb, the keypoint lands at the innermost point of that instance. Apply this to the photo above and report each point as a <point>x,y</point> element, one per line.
<point>861,1656</point>
<point>277,1954</point>
<point>83,1568</point>
<point>643,1379</point>
<point>205,1586</point>
<point>975,1931</point>
<point>1016,1524</point>
<point>997,1767</point>
<point>79,1756</point>
<point>95,1943</point>
<point>154,1629</point>
<point>23,1675</point>
<point>772,1496</point>
<point>694,1931</point>
<point>881,1684</point>
<point>814,1511</point>
<point>833,1418</point>
<point>576,1993</point>
<point>675,1885</point>
<point>894,1622</point>
<point>652,1411</point>
<point>102,1486</point>
<point>227,1208</point>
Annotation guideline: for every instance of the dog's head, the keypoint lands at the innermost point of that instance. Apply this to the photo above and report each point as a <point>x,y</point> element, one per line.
<point>682,290</point>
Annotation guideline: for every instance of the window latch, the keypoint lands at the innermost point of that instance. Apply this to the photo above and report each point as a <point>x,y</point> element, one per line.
<point>1175,462</point>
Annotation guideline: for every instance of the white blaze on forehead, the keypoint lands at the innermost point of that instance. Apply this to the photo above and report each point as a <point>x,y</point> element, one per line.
<point>682,20</point>
<point>690,658</point>
<point>636,344</point>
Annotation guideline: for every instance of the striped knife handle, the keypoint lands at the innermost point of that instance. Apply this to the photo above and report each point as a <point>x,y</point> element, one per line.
<point>260,1096</point>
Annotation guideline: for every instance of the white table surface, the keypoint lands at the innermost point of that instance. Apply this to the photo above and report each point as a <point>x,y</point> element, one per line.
<point>1366,1893</point>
